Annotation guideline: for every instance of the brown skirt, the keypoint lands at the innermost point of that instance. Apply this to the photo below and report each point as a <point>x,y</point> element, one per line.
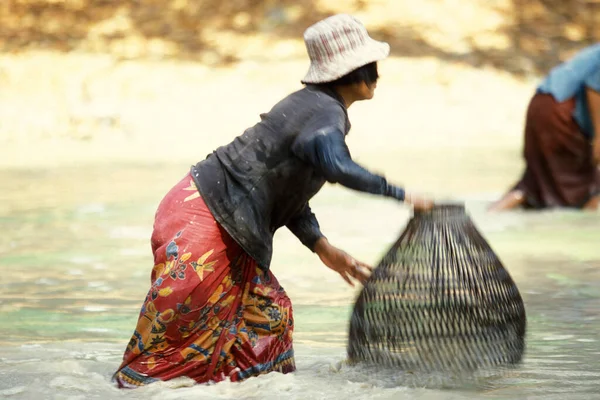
<point>560,171</point>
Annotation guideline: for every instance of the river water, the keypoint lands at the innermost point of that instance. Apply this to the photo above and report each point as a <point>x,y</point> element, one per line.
<point>75,260</point>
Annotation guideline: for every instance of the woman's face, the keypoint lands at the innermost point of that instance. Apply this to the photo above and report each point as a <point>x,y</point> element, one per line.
<point>365,91</point>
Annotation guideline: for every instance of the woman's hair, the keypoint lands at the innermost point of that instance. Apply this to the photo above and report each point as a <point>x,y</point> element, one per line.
<point>367,74</point>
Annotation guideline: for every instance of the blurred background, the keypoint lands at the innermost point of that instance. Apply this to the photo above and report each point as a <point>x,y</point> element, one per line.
<point>104,105</point>
<point>81,77</point>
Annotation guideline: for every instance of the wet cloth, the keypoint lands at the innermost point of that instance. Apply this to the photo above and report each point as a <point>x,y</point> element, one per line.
<point>211,313</point>
<point>560,171</point>
<point>570,79</point>
<point>263,180</point>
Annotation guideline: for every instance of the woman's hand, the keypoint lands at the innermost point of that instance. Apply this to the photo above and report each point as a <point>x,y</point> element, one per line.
<point>341,262</point>
<point>419,203</point>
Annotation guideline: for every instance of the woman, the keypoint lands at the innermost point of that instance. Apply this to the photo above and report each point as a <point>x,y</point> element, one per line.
<point>215,311</point>
<point>562,139</point>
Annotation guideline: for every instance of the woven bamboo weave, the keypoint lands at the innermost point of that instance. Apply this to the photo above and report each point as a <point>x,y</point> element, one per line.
<point>440,300</point>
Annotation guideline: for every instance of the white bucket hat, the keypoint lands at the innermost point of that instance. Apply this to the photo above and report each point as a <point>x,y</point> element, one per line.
<point>337,46</point>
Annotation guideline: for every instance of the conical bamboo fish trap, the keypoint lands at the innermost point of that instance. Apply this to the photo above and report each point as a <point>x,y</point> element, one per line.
<point>440,300</point>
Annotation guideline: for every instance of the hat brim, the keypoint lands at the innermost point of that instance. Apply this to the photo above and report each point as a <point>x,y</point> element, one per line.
<point>329,71</point>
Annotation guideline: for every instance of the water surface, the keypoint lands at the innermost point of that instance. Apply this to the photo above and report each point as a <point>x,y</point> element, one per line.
<point>76,261</point>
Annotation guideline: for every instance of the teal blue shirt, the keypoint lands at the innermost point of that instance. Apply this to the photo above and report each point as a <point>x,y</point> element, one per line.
<point>571,78</point>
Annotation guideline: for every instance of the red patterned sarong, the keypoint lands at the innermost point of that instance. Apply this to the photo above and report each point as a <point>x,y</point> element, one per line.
<point>211,313</point>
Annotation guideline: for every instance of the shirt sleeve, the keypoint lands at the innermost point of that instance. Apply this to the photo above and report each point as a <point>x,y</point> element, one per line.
<point>306,227</point>
<point>322,144</point>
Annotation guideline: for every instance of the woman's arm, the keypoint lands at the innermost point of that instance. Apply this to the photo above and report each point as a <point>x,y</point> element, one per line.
<point>341,262</point>
<point>593,98</point>
<point>305,227</point>
<point>327,151</point>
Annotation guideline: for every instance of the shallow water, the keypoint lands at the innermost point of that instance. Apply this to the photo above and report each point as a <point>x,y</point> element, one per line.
<point>75,256</point>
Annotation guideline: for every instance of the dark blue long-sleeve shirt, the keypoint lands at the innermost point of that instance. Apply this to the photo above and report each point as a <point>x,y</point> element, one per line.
<point>264,179</point>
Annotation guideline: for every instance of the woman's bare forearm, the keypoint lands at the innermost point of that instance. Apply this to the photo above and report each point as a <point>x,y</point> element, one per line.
<point>593,99</point>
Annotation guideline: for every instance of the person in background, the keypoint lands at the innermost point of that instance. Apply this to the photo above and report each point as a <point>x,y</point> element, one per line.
<point>562,139</point>
<point>214,310</point>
